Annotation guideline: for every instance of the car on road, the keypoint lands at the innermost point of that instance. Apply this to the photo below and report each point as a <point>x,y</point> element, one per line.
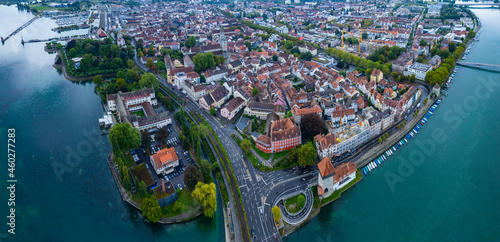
<point>260,211</point>
<point>253,234</point>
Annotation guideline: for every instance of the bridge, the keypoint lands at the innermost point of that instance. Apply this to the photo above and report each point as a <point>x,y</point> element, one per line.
<point>481,66</point>
<point>486,4</point>
<point>19,29</point>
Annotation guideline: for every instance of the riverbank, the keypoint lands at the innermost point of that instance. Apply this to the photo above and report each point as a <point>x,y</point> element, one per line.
<point>181,218</point>
<point>69,77</point>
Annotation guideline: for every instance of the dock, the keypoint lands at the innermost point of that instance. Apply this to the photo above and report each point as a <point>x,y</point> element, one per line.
<point>19,29</point>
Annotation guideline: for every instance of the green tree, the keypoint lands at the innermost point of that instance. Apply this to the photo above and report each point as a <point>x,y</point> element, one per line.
<point>204,194</point>
<point>145,139</point>
<point>160,65</point>
<point>212,111</point>
<point>142,189</point>
<point>151,51</point>
<point>255,91</point>
<point>72,53</point>
<point>130,64</point>
<point>161,134</point>
<point>276,213</point>
<point>121,74</point>
<point>246,145</point>
<point>288,114</point>
<point>275,58</point>
<point>98,80</point>
<point>452,47</point>
<point>149,80</point>
<point>203,79</point>
<point>149,63</point>
<point>248,45</point>
<point>151,209</point>
<point>307,154</point>
<point>206,170</point>
<point>178,206</point>
<point>125,177</point>
<point>131,74</point>
<point>120,82</point>
<point>380,140</point>
<point>191,177</point>
<point>127,137</point>
<point>140,54</point>
<point>191,41</point>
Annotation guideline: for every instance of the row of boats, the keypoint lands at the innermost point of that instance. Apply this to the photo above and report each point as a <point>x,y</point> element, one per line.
<point>384,156</point>
<point>467,51</point>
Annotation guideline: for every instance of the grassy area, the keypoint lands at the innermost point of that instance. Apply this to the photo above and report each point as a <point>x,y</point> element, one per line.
<point>184,197</point>
<point>139,113</point>
<point>262,153</point>
<point>280,154</point>
<point>314,190</point>
<point>39,7</point>
<point>291,204</point>
<point>337,193</point>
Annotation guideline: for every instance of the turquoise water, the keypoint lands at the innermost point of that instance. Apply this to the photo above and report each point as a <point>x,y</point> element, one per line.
<point>65,191</point>
<point>449,191</point>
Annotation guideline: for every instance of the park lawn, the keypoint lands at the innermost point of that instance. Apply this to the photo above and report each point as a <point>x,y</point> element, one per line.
<point>139,113</point>
<point>184,197</point>
<point>40,7</point>
<point>291,204</point>
<point>280,154</point>
<point>262,153</point>
<point>337,193</point>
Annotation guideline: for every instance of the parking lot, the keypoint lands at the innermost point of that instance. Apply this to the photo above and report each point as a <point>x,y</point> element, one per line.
<point>177,176</point>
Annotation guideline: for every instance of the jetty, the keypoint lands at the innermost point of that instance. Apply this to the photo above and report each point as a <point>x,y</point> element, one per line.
<point>19,29</point>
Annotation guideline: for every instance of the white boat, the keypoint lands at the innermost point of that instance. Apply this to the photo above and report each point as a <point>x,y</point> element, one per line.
<point>406,140</point>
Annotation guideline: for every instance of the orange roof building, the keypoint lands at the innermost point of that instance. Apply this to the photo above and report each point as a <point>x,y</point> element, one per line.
<point>164,161</point>
<point>332,178</point>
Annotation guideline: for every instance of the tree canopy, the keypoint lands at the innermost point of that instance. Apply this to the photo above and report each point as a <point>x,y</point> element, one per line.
<point>126,136</point>
<point>151,209</point>
<point>311,124</point>
<point>192,176</point>
<point>191,41</point>
<point>149,80</point>
<point>307,155</point>
<point>203,61</point>
<point>276,213</point>
<point>204,194</point>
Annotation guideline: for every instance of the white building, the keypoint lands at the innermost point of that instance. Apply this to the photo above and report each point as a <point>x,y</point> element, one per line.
<point>419,69</point>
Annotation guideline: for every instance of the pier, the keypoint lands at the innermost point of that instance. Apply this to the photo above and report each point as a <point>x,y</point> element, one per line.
<point>481,66</point>
<point>19,29</point>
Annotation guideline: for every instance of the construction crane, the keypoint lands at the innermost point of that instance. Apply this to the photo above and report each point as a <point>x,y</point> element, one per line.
<point>352,35</point>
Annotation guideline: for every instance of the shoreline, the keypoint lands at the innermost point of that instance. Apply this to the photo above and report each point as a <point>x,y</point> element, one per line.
<point>181,218</point>
<point>394,139</point>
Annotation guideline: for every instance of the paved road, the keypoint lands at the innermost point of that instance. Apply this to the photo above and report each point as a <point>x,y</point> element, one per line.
<point>261,189</point>
<point>300,216</point>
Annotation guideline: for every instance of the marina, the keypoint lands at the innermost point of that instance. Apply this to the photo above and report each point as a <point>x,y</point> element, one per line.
<point>399,144</point>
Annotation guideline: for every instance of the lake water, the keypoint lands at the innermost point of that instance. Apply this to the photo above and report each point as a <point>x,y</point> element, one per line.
<point>65,190</point>
<point>431,191</point>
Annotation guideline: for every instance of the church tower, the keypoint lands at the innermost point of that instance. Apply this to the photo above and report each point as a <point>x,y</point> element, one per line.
<point>222,39</point>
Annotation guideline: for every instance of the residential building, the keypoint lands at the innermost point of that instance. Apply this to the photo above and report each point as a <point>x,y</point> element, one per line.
<point>214,99</point>
<point>232,107</point>
<point>284,135</point>
<point>164,161</point>
<point>261,110</point>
